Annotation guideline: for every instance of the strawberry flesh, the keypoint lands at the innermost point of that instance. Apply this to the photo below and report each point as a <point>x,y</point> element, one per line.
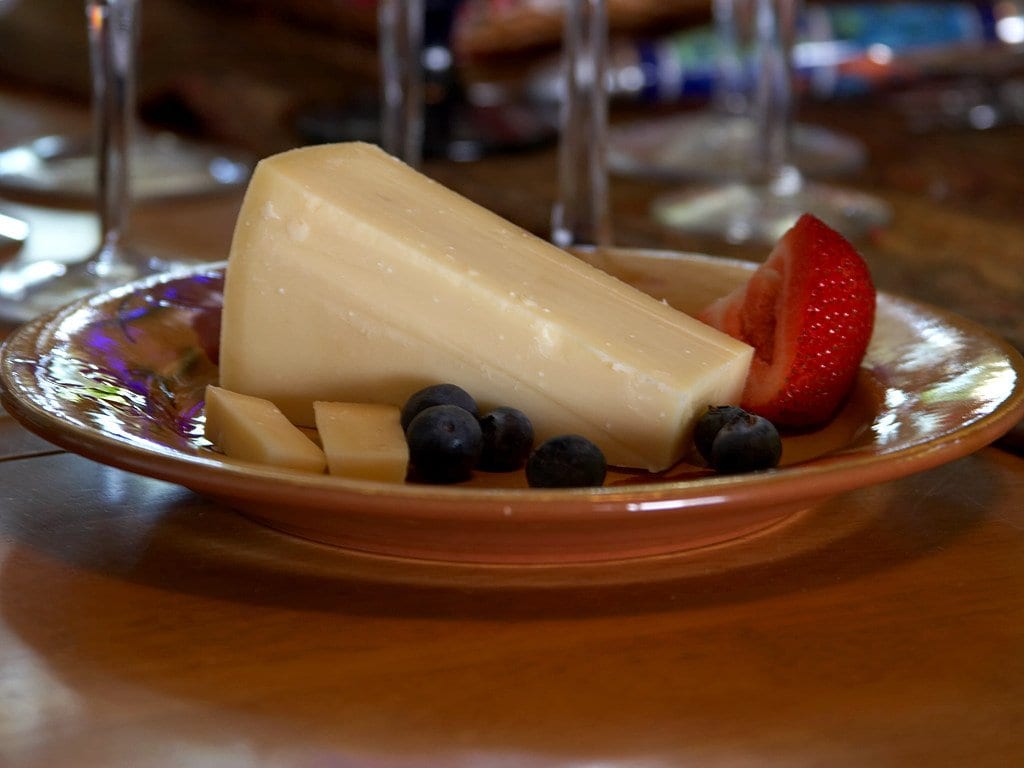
<point>808,311</point>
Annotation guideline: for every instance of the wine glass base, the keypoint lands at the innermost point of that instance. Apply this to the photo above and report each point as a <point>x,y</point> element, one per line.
<point>31,288</point>
<point>162,165</point>
<point>13,234</point>
<point>740,213</point>
<point>711,145</point>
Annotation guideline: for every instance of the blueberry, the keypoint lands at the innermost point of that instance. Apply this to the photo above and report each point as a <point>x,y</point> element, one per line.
<point>437,394</point>
<point>746,444</point>
<point>566,461</point>
<point>507,439</point>
<point>708,425</point>
<point>444,444</point>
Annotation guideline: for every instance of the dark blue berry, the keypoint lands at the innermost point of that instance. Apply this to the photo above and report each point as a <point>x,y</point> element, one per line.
<point>746,444</point>
<point>444,444</point>
<point>708,425</point>
<point>507,439</point>
<point>566,461</point>
<point>437,394</point>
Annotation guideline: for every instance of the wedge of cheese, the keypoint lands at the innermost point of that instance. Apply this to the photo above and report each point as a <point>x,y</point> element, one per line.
<point>254,429</point>
<point>354,278</point>
<point>363,440</point>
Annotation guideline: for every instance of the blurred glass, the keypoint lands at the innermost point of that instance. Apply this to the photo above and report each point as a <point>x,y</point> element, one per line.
<point>774,192</point>
<point>29,288</point>
<point>581,215</point>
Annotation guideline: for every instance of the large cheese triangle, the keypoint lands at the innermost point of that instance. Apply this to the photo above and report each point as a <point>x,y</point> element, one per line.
<point>354,278</point>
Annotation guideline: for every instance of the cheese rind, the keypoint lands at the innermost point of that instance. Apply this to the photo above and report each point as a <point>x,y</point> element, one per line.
<point>354,278</point>
<point>363,440</point>
<point>254,429</point>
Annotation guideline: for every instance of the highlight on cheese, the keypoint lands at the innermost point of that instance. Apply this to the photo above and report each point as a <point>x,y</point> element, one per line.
<point>354,278</point>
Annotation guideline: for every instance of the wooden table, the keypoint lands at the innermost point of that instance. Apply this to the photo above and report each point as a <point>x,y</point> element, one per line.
<point>141,625</point>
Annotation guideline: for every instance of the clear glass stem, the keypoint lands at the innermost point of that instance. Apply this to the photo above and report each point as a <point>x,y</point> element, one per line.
<point>774,28</point>
<point>772,193</point>
<point>113,37</point>
<point>729,95</point>
<point>581,213</point>
<point>400,26</point>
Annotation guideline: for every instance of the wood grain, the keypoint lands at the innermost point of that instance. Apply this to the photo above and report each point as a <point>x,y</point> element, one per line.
<point>884,630</point>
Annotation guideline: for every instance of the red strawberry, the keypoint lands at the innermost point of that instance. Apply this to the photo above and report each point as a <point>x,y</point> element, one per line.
<point>808,311</point>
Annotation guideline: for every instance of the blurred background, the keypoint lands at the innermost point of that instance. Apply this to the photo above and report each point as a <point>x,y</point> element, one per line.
<point>268,74</point>
<point>933,97</point>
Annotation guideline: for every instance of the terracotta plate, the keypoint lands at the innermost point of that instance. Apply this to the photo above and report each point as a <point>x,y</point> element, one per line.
<point>119,378</point>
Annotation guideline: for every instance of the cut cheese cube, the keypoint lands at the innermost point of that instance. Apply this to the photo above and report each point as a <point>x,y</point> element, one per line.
<point>254,429</point>
<point>354,278</point>
<point>363,440</point>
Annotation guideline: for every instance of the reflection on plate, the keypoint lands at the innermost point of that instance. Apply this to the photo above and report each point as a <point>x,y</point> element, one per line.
<point>119,378</point>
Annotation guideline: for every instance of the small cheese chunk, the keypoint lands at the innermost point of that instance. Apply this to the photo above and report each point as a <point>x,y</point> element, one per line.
<point>254,429</point>
<point>353,278</point>
<point>363,440</point>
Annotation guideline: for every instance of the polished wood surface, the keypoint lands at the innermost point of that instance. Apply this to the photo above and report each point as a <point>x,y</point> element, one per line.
<point>142,625</point>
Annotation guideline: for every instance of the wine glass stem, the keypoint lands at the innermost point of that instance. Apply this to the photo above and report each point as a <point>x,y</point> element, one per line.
<point>774,28</point>
<point>113,35</point>
<point>400,26</point>
<point>729,91</point>
<point>581,215</point>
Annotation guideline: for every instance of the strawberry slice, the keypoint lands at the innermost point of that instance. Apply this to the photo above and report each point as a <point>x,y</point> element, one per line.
<point>808,311</point>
